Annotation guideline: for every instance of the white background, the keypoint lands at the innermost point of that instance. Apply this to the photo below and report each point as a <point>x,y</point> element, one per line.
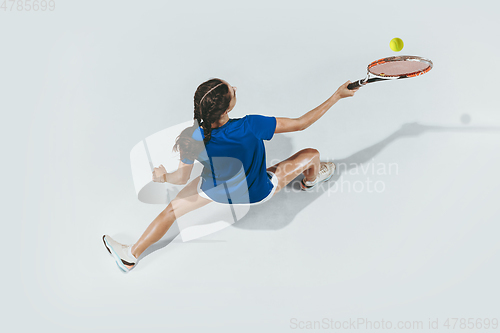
<point>81,85</point>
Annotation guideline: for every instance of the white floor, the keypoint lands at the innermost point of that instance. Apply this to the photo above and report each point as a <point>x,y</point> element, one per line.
<point>406,233</point>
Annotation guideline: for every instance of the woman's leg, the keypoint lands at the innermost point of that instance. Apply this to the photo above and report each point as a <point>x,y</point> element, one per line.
<point>186,200</point>
<point>305,161</point>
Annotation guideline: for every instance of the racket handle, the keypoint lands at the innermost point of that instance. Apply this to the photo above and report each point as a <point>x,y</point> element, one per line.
<point>354,85</point>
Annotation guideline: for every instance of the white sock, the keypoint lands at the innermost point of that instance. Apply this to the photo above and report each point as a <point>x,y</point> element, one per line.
<point>310,182</point>
<point>129,252</point>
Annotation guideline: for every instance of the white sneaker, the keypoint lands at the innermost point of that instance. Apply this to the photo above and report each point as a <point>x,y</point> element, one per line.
<point>123,257</point>
<point>326,171</point>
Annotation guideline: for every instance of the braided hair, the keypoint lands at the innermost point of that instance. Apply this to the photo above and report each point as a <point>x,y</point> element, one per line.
<point>211,100</point>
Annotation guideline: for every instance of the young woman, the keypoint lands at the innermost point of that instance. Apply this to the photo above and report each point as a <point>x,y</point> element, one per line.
<point>233,155</point>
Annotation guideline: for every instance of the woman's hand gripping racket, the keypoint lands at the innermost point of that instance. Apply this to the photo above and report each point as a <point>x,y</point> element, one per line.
<point>393,68</point>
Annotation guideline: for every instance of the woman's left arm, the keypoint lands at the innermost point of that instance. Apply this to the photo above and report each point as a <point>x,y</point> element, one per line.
<point>178,177</point>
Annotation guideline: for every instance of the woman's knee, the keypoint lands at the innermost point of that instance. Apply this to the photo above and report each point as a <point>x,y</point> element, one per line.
<point>169,210</point>
<point>310,152</point>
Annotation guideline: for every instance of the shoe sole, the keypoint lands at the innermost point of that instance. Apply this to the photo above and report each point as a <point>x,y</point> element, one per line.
<point>118,260</point>
<point>325,180</point>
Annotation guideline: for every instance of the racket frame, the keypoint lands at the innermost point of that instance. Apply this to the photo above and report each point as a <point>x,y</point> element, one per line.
<point>370,77</point>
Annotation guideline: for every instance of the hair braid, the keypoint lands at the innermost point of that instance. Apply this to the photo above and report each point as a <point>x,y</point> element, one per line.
<point>209,117</point>
<point>197,116</point>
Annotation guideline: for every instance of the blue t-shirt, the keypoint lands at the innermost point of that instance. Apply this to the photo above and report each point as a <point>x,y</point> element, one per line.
<point>234,160</point>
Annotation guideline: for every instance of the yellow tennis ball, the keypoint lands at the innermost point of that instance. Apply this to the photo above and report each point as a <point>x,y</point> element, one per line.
<point>396,44</point>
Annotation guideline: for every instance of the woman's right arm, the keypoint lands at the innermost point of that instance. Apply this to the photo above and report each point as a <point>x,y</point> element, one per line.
<point>284,125</point>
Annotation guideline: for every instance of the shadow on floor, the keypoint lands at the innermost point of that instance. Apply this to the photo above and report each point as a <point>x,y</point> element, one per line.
<point>291,200</point>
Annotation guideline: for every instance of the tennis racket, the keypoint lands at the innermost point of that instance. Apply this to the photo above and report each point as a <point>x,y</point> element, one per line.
<point>393,68</point>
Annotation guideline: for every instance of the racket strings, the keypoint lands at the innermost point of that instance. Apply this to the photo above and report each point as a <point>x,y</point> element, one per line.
<point>400,66</point>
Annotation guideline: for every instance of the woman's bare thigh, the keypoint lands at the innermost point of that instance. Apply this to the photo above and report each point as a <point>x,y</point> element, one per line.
<point>188,199</point>
<point>289,169</point>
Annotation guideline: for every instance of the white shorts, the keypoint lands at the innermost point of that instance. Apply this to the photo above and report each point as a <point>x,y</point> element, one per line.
<point>274,180</point>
